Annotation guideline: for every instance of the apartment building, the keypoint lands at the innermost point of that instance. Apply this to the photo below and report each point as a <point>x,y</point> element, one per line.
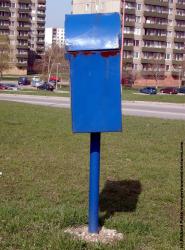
<point>54,36</point>
<point>154,36</point>
<point>24,22</point>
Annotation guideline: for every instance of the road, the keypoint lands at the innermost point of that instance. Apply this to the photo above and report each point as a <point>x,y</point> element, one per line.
<point>134,108</point>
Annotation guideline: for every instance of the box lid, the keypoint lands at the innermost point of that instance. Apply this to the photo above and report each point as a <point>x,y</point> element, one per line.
<point>92,32</point>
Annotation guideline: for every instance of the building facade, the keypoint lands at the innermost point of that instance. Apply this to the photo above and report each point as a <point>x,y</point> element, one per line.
<point>54,36</point>
<point>154,36</point>
<point>24,23</point>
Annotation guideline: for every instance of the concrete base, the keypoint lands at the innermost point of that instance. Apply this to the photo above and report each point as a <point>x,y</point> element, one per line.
<point>105,236</point>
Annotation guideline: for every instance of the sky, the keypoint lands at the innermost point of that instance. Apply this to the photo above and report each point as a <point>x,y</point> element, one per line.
<point>55,12</point>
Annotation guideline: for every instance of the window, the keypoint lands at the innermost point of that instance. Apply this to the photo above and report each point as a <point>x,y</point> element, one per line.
<point>138,6</point>
<point>168,56</point>
<point>169,45</point>
<point>167,67</point>
<point>138,19</point>
<point>169,33</point>
<point>137,31</point>
<point>87,7</point>
<point>170,11</point>
<point>135,66</point>
<point>136,54</point>
<point>170,22</point>
<point>136,42</point>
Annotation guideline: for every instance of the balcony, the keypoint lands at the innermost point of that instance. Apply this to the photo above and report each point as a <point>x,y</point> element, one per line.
<point>180,6</point>
<point>129,36</point>
<point>153,72</point>
<point>22,56</point>
<point>26,11</point>
<point>5,9</point>
<point>23,28</point>
<point>152,61</point>
<point>179,51</point>
<point>5,18</point>
<point>179,17</point>
<point>41,35</point>
<point>128,48</point>
<point>150,49</point>
<point>23,37</point>
<point>130,11</point>
<point>179,28</point>
<point>155,26</point>
<point>41,21</point>
<point>23,65</point>
<point>175,62</point>
<point>41,28</point>
<point>157,3</point>
<point>19,46</point>
<point>155,14</point>
<point>178,39</point>
<point>4,27</point>
<point>129,23</point>
<point>131,1</point>
<point>154,38</point>
<point>40,49</point>
<point>24,19</point>
<point>42,8</point>
<point>41,43</point>
<point>41,1</point>
<point>25,1</point>
<point>127,60</point>
<point>42,15</point>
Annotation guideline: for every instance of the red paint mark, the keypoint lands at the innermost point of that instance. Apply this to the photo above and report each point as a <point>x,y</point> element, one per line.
<point>87,53</point>
<point>109,53</point>
<point>74,53</point>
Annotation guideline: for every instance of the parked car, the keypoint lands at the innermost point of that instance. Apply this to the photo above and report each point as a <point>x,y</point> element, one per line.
<point>169,90</point>
<point>182,90</point>
<point>54,79</point>
<point>23,81</point>
<point>149,90</point>
<point>46,86</point>
<point>36,82</point>
<point>3,86</point>
<point>11,86</point>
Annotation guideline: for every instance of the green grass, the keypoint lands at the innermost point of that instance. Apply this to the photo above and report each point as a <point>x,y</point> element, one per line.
<point>134,95</point>
<point>127,95</point>
<point>39,92</point>
<point>44,182</point>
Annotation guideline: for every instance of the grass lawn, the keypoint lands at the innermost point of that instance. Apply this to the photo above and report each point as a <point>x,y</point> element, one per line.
<point>44,182</point>
<point>65,92</point>
<point>134,95</point>
<point>127,95</point>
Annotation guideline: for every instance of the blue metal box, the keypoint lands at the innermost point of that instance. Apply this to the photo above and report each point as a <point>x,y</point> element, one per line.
<point>93,47</point>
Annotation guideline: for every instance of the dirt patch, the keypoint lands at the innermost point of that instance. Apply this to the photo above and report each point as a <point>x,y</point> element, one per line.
<point>105,236</point>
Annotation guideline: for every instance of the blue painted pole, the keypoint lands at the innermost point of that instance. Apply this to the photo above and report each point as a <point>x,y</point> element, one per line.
<point>94,182</point>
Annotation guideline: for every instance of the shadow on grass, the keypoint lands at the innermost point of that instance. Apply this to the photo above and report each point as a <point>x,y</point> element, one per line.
<point>119,196</point>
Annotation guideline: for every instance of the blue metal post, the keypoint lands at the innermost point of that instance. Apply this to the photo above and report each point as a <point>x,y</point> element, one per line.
<point>94,182</point>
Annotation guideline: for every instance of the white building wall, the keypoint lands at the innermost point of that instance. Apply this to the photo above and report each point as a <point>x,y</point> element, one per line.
<point>57,37</point>
<point>48,36</point>
<point>95,6</point>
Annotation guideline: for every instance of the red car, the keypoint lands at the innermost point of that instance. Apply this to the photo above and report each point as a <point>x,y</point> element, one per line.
<point>3,87</point>
<point>169,90</point>
<point>54,79</point>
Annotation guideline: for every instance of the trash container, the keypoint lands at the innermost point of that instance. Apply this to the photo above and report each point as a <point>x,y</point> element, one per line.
<point>93,50</point>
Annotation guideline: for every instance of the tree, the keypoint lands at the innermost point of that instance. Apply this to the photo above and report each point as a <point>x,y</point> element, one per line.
<point>52,62</point>
<point>4,54</point>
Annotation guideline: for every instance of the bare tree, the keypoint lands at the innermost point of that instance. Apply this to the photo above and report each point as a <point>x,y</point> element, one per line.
<point>4,54</point>
<point>52,62</point>
<point>157,71</point>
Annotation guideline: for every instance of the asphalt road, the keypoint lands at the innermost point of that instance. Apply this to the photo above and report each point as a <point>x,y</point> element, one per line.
<point>134,108</point>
